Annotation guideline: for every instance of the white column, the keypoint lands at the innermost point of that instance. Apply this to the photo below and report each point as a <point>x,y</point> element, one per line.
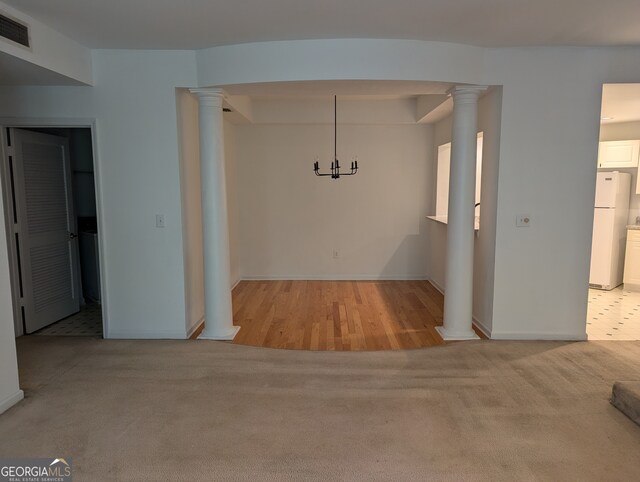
<point>458,297</point>
<point>218,312</point>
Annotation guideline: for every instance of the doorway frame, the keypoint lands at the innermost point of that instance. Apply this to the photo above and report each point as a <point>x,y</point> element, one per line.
<point>55,123</point>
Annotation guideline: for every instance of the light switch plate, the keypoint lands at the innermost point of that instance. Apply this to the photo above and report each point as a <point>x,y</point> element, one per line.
<point>523,221</point>
<point>159,220</point>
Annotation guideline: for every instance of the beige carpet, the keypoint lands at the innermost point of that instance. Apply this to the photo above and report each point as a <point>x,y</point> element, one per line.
<point>202,410</point>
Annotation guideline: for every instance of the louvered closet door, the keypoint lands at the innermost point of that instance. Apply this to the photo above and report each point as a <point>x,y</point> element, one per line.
<point>48,248</point>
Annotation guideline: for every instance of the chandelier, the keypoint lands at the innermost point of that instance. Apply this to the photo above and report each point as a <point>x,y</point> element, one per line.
<point>335,165</point>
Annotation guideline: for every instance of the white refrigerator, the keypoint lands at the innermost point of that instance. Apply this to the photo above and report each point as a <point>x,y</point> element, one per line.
<point>609,229</point>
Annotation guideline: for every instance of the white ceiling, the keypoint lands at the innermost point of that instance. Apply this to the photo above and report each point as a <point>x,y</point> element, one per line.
<point>195,24</point>
<point>620,102</point>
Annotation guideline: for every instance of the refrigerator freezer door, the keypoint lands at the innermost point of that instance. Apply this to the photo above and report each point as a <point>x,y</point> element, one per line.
<point>606,189</point>
<point>602,248</point>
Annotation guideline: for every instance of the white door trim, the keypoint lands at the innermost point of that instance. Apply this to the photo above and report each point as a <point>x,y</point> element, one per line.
<point>57,122</point>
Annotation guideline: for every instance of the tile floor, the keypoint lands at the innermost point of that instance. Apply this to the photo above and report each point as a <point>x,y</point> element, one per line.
<point>87,322</point>
<point>613,315</point>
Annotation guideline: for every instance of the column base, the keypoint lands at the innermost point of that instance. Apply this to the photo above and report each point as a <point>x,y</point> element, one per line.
<point>471,335</point>
<point>230,335</point>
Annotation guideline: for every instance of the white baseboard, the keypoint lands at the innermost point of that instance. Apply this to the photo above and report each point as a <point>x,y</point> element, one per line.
<point>147,335</point>
<point>436,286</point>
<point>11,400</point>
<point>194,327</point>
<point>226,336</point>
<point>481,326</point>
<point>337,277</point>
<point>486,331</point>
<point>505,335</point>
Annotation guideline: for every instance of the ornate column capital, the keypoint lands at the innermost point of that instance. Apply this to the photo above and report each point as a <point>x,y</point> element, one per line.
<point>466,93</point>
<point>209,95</point>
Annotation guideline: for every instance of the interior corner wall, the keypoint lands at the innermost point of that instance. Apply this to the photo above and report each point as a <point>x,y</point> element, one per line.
<point>231,173</point>
<point>489,122</point>
<point>189,145</point>
<point>133,103</point>
<point>291,222</point>
<point>437,232</point>
<point>10,392</point>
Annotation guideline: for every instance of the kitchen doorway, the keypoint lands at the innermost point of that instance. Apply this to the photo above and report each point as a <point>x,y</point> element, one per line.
<point>613,310</point>
<point>52,228</point>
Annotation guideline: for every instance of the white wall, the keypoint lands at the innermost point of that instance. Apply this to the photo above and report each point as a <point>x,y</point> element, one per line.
<point>10,392</point>
<point>134,104</point>
<point>350,110</point>
<point>550,117</point>
<point>188,140</point>
<point>291,221</point>
<point>490,123</point>
<point>622,131</point>
<point>548,149</point>
<point>231,172</point>
<point>50,50</point>
<point>548,144</point>
<point>437,248</point>
<point>340,59</point>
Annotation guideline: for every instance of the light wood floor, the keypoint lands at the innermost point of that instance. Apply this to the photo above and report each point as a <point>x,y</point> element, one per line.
<point>338,315</point>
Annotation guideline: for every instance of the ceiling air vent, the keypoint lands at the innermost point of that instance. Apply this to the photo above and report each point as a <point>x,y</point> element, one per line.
<point>13,30</point>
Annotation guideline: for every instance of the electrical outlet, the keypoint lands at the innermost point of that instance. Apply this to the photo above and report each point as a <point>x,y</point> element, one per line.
<point>523,221</point>
<point>159,220</point>
<point>336,254</point>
